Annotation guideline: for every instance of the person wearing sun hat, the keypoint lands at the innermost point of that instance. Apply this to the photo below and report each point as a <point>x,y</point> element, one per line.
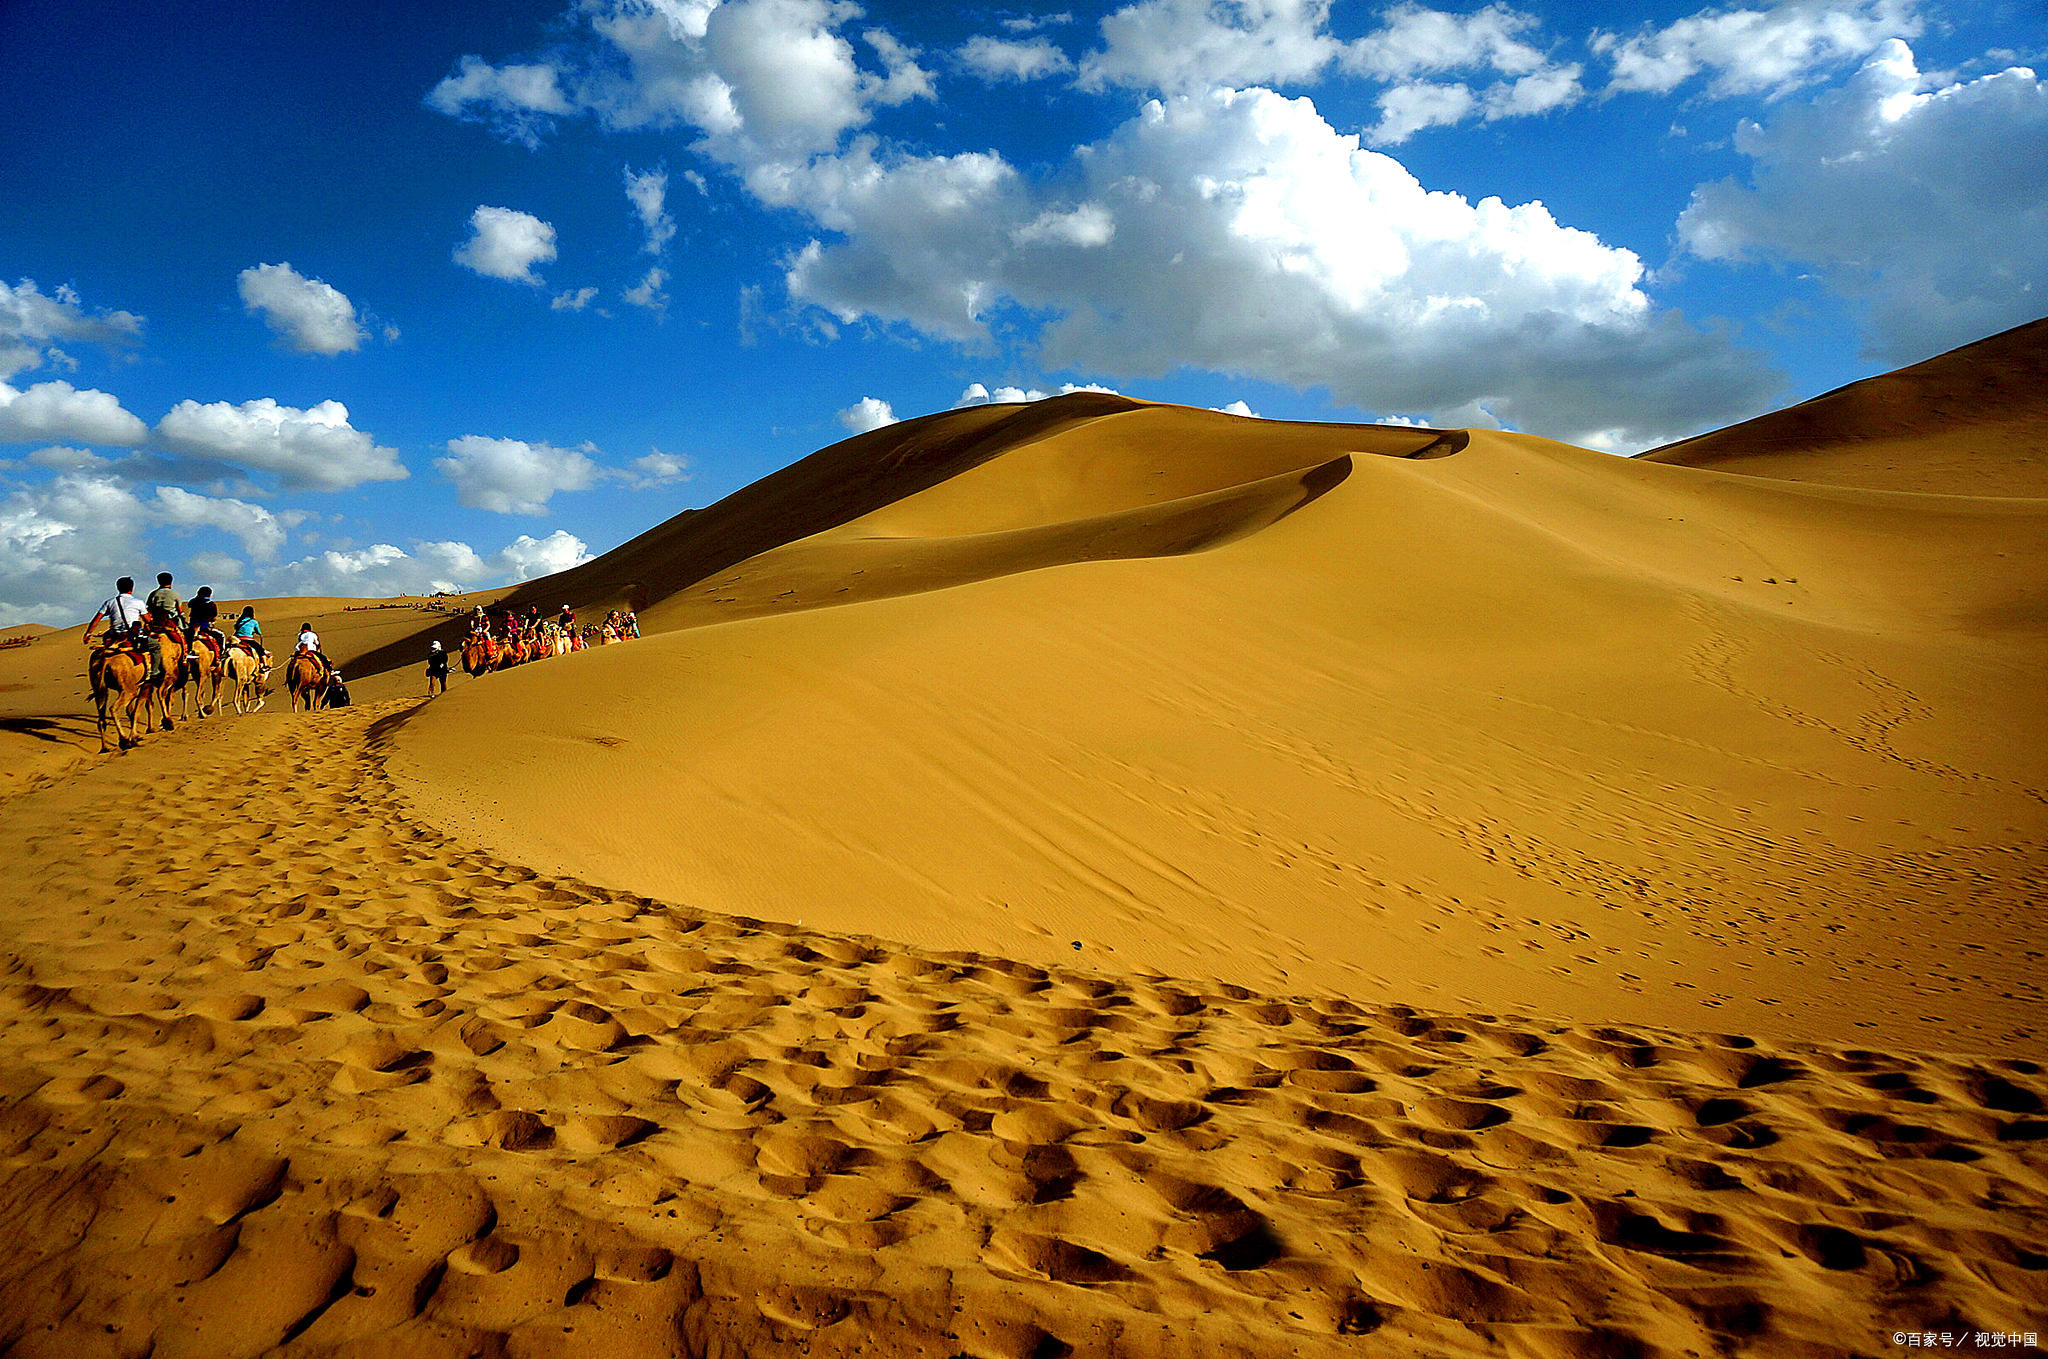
<point>437,669</point>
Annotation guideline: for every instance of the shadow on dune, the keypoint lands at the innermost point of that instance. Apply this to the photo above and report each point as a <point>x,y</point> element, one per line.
<point>857,477</point>
<point>42,728</point>
<point>822,491</point>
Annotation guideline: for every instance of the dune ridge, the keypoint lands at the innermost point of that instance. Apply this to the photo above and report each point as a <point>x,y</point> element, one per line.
<point>1967,422</point>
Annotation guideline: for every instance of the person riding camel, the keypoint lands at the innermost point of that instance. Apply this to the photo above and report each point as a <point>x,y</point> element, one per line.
<point>632,624</point>
<point>249,632</point>
<point>309,642</point>
<point>166,617</point>
<point>205,615</point>
<point>567,620</point>
<point>124,613</point>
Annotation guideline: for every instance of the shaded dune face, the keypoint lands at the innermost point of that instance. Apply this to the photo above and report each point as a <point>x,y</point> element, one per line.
<point>1968,422</point>
<point>1319,708</point>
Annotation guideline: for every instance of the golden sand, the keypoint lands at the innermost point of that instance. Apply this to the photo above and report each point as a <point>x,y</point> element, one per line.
<point>1091,878</point>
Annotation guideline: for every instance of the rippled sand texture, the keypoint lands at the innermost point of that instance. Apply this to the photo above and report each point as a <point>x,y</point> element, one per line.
<point>345,1086</point>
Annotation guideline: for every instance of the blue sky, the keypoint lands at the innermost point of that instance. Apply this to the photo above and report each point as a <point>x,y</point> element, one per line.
<point>365,299</point>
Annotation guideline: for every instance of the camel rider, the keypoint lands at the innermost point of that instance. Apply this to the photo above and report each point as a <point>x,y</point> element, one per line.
<point>123,613</point>
<point>567,620</point>
<point>632,622</point>
<point>166,615</point>
<point>206,618</point>
<point>250,632</point>
<point>309,643</point>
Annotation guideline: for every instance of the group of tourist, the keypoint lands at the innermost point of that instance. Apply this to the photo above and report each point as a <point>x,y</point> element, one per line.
<point>142,625</point>
<point>509,625</point>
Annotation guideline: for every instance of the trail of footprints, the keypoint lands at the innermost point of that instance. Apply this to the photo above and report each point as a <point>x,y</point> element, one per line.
<point>450,1100</point>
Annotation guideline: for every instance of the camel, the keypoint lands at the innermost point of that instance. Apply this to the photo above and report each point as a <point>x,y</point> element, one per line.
<point>119,678</point>
<point>157,697</point>
<point>306,677</point>
<point>479,655</point>
<point>247,673</point>
<point>203,670</point>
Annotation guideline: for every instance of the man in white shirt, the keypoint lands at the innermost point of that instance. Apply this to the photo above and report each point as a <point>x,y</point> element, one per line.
<point>122,612</point>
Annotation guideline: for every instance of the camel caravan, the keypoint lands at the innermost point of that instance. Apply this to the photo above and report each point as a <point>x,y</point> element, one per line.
<point>153,650</point>
<point>502,641</point>
<point>159,652</point>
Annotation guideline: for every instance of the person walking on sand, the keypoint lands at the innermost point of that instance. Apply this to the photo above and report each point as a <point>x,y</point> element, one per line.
<point>437,669</point>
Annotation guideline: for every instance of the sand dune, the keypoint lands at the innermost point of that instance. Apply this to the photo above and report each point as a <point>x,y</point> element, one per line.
<point>1968,422</point>
<point>1525,725</point>
<point>1092,879</point>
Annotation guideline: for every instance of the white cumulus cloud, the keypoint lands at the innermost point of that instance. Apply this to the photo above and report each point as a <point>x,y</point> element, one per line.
<point>527,558</point>
<point>1754,51</point>
<point>1253,238</point>
<point>58,410</point>
<point>574,299</point>
<point>1415,40</point>
<point>1185,45</point>
<point>512,476</point>
<point>760,79</point>
<point>1088,225</point>
<point>305,313</point>
<point>315,449</point>
<point>519,99</point>
<point>656,469</point>
<point>866,414</point>
<point>979,394</point>
<point>1927,203</point>
<point>384,569</point>
<point>261,532</point>
<point>505,243</point>
<point>647,292</point>
<point>33,324</point>
<point>647,190</point>
<point>62,544</point>
<point>1011,59</point>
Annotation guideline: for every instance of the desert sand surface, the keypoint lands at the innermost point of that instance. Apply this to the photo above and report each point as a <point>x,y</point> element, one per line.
<point>1091,878</point>
<point>1968,422</point>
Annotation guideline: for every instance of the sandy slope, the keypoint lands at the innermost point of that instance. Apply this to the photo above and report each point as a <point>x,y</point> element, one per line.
<point>342,1086</point>
<point>1968,422</point>
<point>1528,902</point>
<point>1521,726</point>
